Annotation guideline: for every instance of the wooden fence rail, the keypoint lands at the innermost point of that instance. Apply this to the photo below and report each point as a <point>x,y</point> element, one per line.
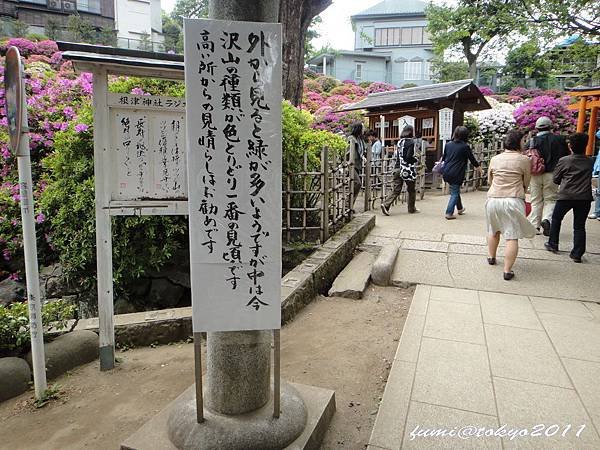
<point>319,199</point>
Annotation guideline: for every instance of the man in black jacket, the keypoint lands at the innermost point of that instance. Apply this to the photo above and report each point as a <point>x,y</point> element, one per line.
<point>551,148</point>
<point>574,174</point>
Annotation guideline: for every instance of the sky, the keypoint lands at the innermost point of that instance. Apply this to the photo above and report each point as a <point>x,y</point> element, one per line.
<point>335,30</point>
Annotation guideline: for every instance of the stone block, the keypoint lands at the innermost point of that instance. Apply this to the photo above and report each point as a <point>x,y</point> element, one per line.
<point>384,265</point>
<point>353,280</point>
<point>15,376</point>
<point>69,351</point>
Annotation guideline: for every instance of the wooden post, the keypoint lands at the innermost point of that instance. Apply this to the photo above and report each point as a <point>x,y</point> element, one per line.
<point>103,223</point>
<point>589,151</point>
<point>325,191</point>
<point>367,179</point>
<point>581,116</point>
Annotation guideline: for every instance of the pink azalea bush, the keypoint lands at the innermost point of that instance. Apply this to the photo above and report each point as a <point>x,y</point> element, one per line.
<point>555,108</point>
<point>312,101</point>
<point>54,95</point>
<point>327,83</point>
<point>352,91</point>
<point>380,86</point>
<point>486,90</point>
<point>336,101</point>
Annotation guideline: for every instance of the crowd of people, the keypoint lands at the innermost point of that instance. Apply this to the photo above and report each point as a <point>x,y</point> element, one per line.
<point>552,168</point>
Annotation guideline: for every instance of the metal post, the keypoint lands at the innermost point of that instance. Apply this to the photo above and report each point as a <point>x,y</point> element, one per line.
<point>30,249</point>
<point>276,373</point>
<point>198,374</point>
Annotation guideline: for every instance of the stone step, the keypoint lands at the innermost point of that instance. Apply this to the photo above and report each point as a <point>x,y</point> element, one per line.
<point>353,280</point>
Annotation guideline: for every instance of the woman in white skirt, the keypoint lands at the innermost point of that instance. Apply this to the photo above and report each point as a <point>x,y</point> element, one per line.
<point>509,174</point>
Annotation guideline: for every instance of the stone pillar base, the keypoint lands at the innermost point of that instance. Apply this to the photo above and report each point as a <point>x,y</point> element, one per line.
<point>256,430</point>
<point>155,434</point>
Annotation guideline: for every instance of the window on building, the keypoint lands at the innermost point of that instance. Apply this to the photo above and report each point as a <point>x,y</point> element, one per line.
<point>417,35</point>
<point>406,36</point>
<point>401,36</point>
<point>426,38</point>
<point>91,6</point>
<point>427,70</point>
<point>358,72</point>
<point>412,70</point>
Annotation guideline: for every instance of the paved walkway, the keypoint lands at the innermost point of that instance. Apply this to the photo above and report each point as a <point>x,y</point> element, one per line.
<point>479,355</point>
<point>452,253</point>
<point>484,360</point>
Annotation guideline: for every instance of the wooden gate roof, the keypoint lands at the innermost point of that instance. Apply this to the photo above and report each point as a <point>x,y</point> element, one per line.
<point>465,91</point>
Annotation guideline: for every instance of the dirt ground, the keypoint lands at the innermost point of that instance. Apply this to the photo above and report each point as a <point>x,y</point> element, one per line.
<point>335,343</point>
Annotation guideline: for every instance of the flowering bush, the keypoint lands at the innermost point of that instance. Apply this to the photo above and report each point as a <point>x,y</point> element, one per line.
<point>352,91</point>
<point>312,101</point>
<point>309,73</point>
<point>380,86</point>
<point>336,101</point>
<point>486,90</point>
<point>490,124</point>
<point>327,83</point>
<point>524,93</point>
<point>337,122</point>
<point>554,108</point>
<point>312,86</point>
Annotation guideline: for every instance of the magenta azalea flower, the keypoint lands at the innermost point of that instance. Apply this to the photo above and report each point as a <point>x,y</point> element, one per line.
<point>81,128</point>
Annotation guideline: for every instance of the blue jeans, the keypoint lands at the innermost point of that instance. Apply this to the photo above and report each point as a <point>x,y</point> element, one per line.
<point>597,208</point>
<point>455,200</point>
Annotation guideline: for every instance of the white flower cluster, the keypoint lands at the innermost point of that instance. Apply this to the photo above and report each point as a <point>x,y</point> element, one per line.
<point>492,124</point>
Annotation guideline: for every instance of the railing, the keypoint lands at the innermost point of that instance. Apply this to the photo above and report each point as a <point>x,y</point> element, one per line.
<point>139,44</point>
<point>317,201</point>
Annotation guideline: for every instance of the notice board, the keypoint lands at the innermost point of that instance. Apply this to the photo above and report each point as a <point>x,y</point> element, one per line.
<point>233,113</point>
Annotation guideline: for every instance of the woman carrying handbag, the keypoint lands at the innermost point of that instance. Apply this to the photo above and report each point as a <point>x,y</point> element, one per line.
<point>405,171</point>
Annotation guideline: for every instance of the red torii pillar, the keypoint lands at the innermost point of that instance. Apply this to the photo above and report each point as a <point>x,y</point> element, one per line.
<point>589,99</point>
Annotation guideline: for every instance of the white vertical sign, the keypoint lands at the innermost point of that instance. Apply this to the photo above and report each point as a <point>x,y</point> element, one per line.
<point>445,120</point>
<point>233,116</point>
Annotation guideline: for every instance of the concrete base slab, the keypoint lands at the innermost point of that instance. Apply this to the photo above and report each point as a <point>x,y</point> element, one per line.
<point>353,280</point>
<point>320,405</point>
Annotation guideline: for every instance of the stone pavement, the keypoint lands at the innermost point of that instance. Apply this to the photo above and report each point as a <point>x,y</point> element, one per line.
<point>486,360</point>
<point>453,253</point>
<point>476,351</point>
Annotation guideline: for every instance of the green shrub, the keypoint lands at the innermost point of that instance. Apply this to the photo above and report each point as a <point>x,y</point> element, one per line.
<point>14,323</point>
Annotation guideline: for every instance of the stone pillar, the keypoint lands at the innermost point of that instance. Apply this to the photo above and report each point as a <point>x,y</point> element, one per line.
<point>238,366</point>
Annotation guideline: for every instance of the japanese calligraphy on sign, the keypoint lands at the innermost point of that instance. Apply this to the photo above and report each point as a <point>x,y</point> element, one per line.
<point>233,95</point>
<point>445,116</point>
<point>148,141</point>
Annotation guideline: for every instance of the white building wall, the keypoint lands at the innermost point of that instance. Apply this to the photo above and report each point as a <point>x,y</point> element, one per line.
<point>133,18</point>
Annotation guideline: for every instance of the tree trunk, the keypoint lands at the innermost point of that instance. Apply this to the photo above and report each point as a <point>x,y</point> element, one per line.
<point>296,16</point>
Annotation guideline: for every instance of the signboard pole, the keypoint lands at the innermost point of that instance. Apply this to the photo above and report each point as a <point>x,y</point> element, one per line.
<point>103,223</point>
<point>18,127</point>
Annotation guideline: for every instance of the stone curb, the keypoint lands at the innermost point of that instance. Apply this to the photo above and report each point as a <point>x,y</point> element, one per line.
<point>316,274</point>
<point>384,265</point>
<point>298,287</point>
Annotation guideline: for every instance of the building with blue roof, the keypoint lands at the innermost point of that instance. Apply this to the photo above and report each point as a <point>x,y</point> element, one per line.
<point>391,44</point>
